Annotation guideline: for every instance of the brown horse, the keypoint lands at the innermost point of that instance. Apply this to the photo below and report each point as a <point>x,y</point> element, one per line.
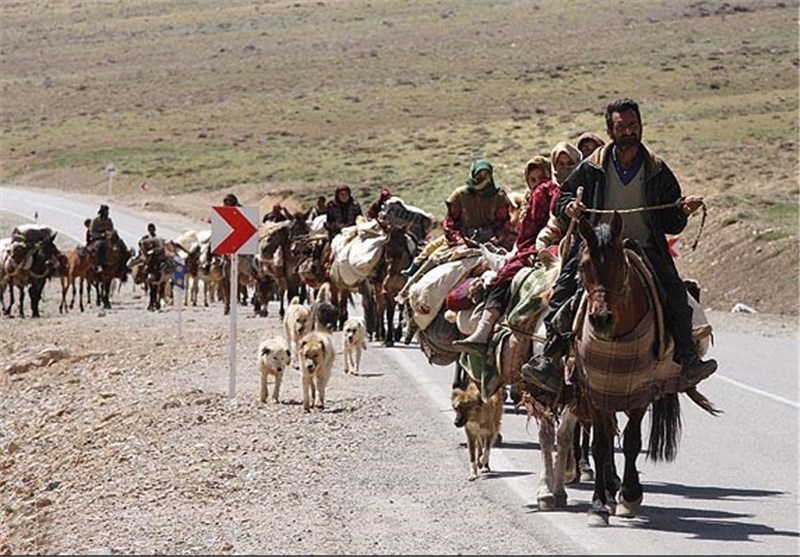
<point>116,267</point>
<point>624,365</point>
<point>80,267</point>
<point>30,264</point>
<point>397,256</point>
<point>279,259</point>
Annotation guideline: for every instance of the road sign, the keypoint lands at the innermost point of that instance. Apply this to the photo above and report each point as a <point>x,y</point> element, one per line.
<point>233,230</point>
<point>179,272</point>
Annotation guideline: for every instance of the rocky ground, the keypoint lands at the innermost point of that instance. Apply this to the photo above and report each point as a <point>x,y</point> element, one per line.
<point>117,435</point>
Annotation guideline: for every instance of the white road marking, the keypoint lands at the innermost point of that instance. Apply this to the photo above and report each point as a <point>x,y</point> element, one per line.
<point>759,391</point>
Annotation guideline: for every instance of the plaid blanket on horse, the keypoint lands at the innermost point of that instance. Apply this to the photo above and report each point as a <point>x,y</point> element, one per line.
<point>631,371</point>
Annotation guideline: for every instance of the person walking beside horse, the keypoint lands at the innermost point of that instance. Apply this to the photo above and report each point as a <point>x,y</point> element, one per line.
<point>622,175</point>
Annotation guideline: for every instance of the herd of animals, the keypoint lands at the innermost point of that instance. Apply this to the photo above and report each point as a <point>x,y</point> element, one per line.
<point>294,263</point>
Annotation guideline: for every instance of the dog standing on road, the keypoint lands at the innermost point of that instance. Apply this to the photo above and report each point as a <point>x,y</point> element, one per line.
<point>324,315</point>
<point>296,324</point>
<point>273,358</point>
<point>354,341</point>
<point>481,422</point>
<point>316,354</point>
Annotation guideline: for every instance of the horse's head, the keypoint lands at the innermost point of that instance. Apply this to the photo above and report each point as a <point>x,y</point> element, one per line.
<point>604,272</point>
<point>273,238</point>
<point>299,226</point>
<point>46,251</point>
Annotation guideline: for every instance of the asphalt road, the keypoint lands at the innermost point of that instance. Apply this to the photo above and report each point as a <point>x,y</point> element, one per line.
<point>732,490</point>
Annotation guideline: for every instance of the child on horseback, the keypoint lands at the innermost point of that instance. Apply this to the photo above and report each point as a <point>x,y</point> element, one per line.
<point>342,211</point>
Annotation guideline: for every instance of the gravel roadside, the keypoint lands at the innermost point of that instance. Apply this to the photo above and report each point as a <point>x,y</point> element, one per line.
<point>117,435</point>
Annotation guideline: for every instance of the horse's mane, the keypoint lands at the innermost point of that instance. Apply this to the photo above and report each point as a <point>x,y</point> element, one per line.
<point>603,234</point>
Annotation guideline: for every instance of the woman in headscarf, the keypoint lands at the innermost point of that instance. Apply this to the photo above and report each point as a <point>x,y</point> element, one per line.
<point>476,212</point>
<point>375,209</point>
<point>565,158</point>
<point>588,142</point>
<point>542,192</point>
<point>342,211</point>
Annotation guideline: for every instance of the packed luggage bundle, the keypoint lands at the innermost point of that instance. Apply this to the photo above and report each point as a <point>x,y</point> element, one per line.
<point>398,214</point>
<point>356,251</point>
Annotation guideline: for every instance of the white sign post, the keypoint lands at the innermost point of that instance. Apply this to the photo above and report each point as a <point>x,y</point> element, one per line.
<point>111,170</point>
<point>233,232</point>
<point>179,280</point>
<point>234,304</point>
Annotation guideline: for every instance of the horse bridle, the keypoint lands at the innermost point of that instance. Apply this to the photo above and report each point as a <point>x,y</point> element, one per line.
<point>622,292</point>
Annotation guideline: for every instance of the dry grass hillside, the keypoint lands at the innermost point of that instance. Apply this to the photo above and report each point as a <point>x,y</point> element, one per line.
<point>280,100</point>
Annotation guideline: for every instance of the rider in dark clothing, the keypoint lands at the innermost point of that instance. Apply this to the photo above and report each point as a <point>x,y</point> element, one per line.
<point>342,211</point>
<point>99,231</point>
<point>622,175</point>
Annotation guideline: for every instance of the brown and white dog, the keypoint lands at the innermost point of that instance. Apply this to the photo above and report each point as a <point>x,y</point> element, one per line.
<point>273,358</point>
<point>354,341</point>
<point>481,422</point>
<point>296,324</point>
<point>316,354</point>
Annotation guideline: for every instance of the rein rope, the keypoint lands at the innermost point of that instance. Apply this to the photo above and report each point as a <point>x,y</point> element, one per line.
<point>656,208</point>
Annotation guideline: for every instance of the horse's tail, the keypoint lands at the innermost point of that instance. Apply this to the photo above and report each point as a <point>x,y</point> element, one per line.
<point>700,400</point>
<point>665,429</point>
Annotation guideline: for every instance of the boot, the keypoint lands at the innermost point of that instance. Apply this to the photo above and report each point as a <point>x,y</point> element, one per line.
<point>544,372</point>
<point>477,342</point>
<point>409,272</point>
<point>695,370</point>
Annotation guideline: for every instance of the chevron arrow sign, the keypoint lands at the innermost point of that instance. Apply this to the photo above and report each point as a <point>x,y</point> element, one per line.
<point>233,230</point>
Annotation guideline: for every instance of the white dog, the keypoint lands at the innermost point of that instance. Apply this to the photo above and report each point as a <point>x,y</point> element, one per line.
<point>296,324</point>
<point>273,358</point>
<point>354,341</point>
<point>316,362</point>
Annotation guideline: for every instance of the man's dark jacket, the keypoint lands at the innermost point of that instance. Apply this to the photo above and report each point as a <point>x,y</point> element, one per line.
<point>660,187</point>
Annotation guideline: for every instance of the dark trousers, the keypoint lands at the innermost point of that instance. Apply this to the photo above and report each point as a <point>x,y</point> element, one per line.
<point>101,252</point>
<point>677,313</point>
<point>567,282</point>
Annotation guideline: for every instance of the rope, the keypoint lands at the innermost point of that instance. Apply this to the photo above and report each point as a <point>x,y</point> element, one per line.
<point>656,208</point>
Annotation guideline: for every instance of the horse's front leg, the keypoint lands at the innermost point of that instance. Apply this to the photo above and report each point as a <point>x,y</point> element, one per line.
<point>35,294</point>
<point>631,494</point>
<point>389,303</point>
<point>603,452</point>
<point>547,437</point>
<point>566,431</point>
<point>21,301</point>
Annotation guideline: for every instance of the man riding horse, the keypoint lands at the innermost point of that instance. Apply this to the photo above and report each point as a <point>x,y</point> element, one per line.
<point>626,175</point>
<point>99,232</point>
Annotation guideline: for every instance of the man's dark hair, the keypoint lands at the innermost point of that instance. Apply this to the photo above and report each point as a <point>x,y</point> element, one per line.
<point>621,105</point>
